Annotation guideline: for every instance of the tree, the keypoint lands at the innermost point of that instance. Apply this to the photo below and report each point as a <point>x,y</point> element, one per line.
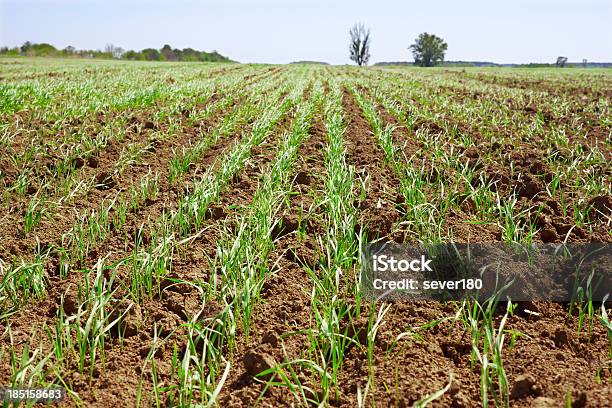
<point>168,53</point>
<point>360,44</point>
<point>115,52</point>
<point>151,54</point>
<point>43,50</point>
<point>584,63</point>
<point>26,47</point>
<point>561,61</point>
<point>428,50</point>
<point>189,55</point>
<point>69,50</point>
<point>133,55</point>
<point>13,52</point>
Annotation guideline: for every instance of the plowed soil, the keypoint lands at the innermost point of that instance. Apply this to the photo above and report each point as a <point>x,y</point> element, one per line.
<point>545,364</point>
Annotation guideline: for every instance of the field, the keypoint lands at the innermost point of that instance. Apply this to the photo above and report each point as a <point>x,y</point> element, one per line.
<point>174,234</point>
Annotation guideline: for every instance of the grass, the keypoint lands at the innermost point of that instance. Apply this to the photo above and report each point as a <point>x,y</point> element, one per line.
<point>487,350</point>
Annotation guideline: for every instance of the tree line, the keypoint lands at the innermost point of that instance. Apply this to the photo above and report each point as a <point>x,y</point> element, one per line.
<point>166,53</point>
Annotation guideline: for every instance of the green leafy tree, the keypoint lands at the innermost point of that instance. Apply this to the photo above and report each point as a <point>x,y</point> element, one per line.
<point>26,47</point>
<point>151,54</point>
<point>169,53</point>
<point>43,50</point>
<point>189,54</point>
<point>428,50</point>
<point>133,55</point>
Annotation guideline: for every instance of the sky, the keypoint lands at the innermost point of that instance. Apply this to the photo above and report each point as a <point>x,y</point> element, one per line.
<point>277,31</point>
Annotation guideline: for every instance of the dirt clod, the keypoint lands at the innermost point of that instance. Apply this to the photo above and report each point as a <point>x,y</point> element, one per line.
<point>71,304</point>
<point>302,178</point>
<point>528,186</point>
<point>523,386</point>
<point>544,402</point>
<point>215,212</point>
<point>580,401</point>
<point>560,338</point>
<point>129,316</point>
<point>549,235</point>
<point>285,226</point>
<point>93,162</point>
<point>270,338</point>
<point>78,162</point>
<point>182,305</point>
<point>257,362</point>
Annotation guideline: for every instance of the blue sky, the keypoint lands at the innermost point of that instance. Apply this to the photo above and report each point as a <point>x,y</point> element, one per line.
<point>276,31</point>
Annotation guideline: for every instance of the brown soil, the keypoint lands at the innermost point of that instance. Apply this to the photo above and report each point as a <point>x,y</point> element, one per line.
<point>179,302</point>
<point>109,184</point>
<point>543,369</point>
<point>551,87</point>
<point>545,365</point>
<point>285,305</point>
<point>528,158</point>
<point>26,125</point>
<point>168,310</point>
<point>378,211</point>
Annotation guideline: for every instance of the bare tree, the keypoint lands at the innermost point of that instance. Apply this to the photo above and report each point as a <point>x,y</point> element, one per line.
<point>360,44</point>
<point>561,61</point>
<point>116,52</point>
